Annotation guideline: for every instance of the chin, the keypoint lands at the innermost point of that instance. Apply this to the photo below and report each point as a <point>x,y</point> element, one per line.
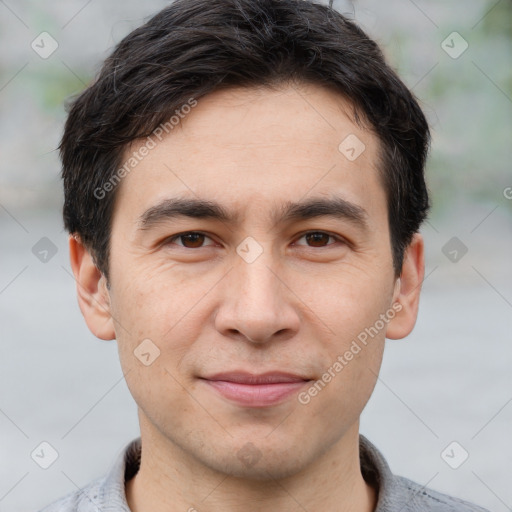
<point>259,465</point>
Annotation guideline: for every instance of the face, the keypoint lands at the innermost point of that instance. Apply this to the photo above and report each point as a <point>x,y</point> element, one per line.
<point>277,276</point>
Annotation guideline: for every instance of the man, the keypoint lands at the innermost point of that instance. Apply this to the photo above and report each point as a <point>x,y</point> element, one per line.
<point>244,185</point>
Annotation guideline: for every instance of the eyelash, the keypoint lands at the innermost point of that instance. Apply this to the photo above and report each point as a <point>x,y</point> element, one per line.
<point>180,235</point>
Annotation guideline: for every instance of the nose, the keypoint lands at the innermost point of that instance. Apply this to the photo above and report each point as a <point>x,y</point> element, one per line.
<point>257,304</point>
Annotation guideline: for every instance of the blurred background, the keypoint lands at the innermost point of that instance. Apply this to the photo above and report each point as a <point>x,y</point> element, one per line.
<point>442,409</point>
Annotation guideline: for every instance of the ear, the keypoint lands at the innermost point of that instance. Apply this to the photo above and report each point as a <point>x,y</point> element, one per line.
<point>407,290</point>
<point>91,287</point>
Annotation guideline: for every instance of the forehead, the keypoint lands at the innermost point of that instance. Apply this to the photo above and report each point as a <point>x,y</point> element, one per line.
<point>255,147</point>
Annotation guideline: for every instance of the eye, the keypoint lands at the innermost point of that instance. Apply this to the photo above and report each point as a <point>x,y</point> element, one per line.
<point>319,238</point>
<point>196,239</point>
<point>189,239</point>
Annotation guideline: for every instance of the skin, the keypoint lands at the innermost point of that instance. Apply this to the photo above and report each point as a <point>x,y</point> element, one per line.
<point>296,308</point>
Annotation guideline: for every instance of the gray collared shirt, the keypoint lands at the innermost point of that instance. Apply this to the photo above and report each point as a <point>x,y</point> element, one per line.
<point>396,494</point>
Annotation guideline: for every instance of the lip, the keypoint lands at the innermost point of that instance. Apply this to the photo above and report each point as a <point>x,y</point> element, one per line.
<point>256,390</point>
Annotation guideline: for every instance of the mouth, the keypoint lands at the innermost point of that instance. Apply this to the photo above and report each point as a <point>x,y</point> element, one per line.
<point>255,390</point>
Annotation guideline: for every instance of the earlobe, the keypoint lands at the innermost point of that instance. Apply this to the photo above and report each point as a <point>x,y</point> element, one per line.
<point>91,286</point>
<point>407,290</point>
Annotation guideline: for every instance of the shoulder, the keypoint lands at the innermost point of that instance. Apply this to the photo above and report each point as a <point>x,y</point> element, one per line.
<point>106,493</point>
<point>399,494</point>
<point>83,500</point>
<point>409,496</point>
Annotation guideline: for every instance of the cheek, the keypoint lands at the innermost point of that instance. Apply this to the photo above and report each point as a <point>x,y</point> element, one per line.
<point>155,326</point>
<point>157,321</point>
<point>336,400</point>
<point>346,300</point>
<point>351,306</point>
<point>151,304</point>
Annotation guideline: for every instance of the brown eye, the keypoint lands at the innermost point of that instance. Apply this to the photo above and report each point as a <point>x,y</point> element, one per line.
<point>190,240</point>
<point>318,239</point>
<point>195,239</point>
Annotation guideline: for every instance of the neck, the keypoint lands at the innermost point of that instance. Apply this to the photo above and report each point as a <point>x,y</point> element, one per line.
<point>170,479</point>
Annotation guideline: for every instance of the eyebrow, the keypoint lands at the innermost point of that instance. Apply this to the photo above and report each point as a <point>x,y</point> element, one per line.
<point>172,208</point>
